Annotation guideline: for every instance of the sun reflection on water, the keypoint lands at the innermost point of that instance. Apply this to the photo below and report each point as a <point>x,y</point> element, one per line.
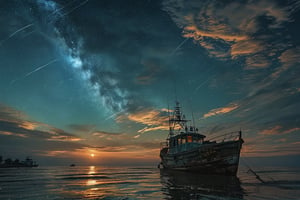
<point>91,182</point>
<point>91,173</point>
<point>92,170</point>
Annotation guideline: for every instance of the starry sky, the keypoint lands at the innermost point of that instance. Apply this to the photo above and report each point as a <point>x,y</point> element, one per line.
<point>82,77</point>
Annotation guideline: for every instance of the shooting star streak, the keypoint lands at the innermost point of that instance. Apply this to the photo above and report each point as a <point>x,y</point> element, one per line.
<point>37,69</point>
<point>81,4</point>
<point>14,33</point>
<point>21,29</point>
<point>182,43</point>
<point>113,115</point>
<point>58,10</point>
<point>41,67</point>
<point>204,83</point>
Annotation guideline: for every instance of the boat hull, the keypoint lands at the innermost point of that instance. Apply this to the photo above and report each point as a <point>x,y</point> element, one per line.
<point>214,158</point>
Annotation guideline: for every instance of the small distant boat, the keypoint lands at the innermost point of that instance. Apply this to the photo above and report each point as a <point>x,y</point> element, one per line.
<point>186,149</point>
<point>72,165</point>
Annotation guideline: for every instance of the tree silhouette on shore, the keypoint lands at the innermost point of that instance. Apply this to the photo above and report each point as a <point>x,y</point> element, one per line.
<point>8,162</point>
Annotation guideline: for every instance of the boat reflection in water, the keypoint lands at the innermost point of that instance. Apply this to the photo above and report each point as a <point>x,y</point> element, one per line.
<point>186,185</point>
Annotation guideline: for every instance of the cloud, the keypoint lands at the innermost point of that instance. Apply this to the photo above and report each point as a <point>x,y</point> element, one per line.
<point>148,117</point>
<point>83,128</point>
<point>102,134</point>
<point>257,61</point>
<point>245,47</point>
<point>222,110</point>
<point>64,138</point>
<point>233,29</point>
<point>288,58</point>
<point>14,134</point>
<point>152,118</point>
<point>16,123</point>
<point>271,131</point>
<point>28,125</point>
<point>278,130</point>
<point>151,69</point>
<point>266,150</point>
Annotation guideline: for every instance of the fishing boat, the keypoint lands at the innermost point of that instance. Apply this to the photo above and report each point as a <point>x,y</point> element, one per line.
<point>187,149</point>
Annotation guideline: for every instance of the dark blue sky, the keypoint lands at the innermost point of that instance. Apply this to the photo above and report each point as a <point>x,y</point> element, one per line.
<point>80,77</point>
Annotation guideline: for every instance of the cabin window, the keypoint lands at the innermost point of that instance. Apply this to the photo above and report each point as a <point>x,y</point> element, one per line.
<point>183,140</point>
<point>189,138</point>
<point>179,141</point>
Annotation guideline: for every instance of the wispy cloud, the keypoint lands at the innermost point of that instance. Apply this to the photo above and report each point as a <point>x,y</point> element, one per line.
<point>265,150</point>
<point>271,131</point>
<point>64,138</point>
<point>83,128</point>
<point>102,134</point>
<point>152,118</point>
<point>13,134</point>
<point>221,111</point>
<point>16,123</point>
<point>288,58</point>
<point>151,68</point>
<point>278,130</point>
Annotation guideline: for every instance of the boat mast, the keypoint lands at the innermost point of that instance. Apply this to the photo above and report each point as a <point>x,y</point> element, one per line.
<point>177,119</point>
<point>171,133</point>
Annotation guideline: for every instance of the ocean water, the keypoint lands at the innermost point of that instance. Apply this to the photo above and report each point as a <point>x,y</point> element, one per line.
<point>96,182</point>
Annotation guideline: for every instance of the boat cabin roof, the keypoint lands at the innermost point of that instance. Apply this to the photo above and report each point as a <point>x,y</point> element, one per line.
<point>193,134</point>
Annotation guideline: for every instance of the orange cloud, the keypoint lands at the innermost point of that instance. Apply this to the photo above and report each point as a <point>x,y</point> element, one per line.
<point>245,47</point>
<point>28,125</point>
<point>288,59</point>
<point>148,117</point>
<point>14,134</point>
<point>18,125</point>
<point>271,131</point>
<point>153,119</point>
<point>64,138</point>
<point>257,61</point>
<point>156,128</point>
<point>277,130</point>
<point>223,110</point>
<point>227,30</point>
<point>291,130</point>
<point>193,32</point>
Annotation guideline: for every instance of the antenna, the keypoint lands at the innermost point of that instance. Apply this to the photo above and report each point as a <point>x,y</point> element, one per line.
<point>175,91</point>
<point>193,118</point>
<point>170,131</point>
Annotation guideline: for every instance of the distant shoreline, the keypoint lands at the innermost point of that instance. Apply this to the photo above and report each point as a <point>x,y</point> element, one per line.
<point>9,163</point>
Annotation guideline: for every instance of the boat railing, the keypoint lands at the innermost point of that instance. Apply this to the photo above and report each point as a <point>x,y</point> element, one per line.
<point>164,145</point>
<point>231,136</point>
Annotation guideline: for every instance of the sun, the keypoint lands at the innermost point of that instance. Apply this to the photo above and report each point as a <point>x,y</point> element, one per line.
<point>92,155</point>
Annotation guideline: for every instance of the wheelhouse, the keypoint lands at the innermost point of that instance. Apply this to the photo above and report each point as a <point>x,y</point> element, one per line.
<point>186,138</point>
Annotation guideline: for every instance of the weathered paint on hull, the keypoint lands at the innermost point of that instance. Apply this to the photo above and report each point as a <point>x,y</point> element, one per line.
<point>215,158</point>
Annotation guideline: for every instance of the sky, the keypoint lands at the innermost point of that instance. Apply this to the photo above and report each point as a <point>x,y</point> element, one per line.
<point>98,77</point>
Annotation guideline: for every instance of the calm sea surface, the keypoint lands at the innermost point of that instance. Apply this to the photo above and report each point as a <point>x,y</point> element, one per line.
<point>96,182</point>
